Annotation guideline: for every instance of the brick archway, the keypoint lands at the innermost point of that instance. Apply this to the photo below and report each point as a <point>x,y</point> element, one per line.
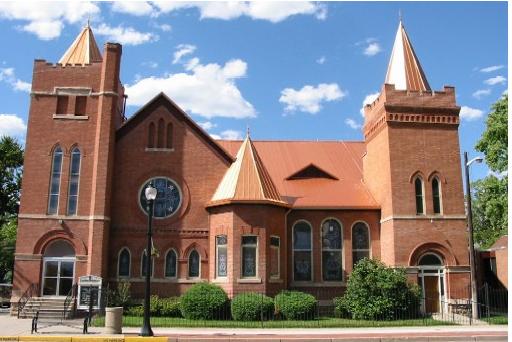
<point>434,247</point>
<point>52,235</point>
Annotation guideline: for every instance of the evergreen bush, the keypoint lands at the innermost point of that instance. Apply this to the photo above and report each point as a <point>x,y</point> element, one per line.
<point>251,307</point>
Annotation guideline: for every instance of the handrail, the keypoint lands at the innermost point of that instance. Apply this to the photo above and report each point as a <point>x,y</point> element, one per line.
<point>69,300</point>
<point>25,297</point>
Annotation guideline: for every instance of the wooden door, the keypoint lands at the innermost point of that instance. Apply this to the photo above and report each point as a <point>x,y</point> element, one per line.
<point>431,294</point>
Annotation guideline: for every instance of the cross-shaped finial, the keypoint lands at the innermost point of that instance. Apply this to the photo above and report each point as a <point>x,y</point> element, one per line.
<point>248,130</point>
<point>400,15</point>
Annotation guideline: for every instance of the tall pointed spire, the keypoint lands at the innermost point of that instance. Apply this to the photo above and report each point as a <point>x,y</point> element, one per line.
<point>404,69</point>
<point>247,180</point>
<point>84,49</point>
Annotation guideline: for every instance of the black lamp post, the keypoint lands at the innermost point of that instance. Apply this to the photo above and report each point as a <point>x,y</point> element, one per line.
<point>150,194</point>
<point>474,299</point>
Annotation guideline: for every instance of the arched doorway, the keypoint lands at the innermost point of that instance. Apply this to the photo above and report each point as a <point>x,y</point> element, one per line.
<point>431,281</point>
<point>58,268</point>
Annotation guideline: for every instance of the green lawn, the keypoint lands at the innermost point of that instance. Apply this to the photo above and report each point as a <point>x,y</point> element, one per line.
<point>502,319</point>
<point>133,321</point>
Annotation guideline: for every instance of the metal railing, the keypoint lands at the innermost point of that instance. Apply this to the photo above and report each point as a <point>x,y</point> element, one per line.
<point>31,291</point>
<point>69,303</point>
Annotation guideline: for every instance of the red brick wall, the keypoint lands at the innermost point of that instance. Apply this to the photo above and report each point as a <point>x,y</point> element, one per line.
<point>502,266</point>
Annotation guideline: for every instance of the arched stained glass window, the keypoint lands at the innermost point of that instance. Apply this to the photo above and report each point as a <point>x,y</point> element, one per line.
<point>123,268</point>
<point>171,264</point>
<point>418,189</point>
<point>331,250</point>
<point>53,196</point>
<point>436,195</point>
<point>160,134</point>
<point>302,252</point>
<point>193,264</point>
<point>360,242</point>
<point>151,135</point>
<point>74,180</point>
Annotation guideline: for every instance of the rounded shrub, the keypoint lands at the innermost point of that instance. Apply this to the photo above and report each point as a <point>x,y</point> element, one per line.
<point>295,305</point>
<point>251,307</point>
<point>203,301</point>
<point>170,307</point>
<point>377,292</point>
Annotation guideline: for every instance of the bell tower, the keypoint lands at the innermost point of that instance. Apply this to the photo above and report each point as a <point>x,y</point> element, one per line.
<point>412,164</point>
<point>76,106</point>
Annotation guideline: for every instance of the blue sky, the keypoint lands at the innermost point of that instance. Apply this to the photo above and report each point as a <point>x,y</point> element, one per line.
<point>294,70</point>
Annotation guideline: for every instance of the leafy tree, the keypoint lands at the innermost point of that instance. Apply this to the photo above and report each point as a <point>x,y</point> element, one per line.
<point>11,161</point>
<point>489,195</point>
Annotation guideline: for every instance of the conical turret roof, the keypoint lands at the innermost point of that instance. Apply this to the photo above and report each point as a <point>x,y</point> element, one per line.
<point>404,69</point>
<point>84,49</point>
<point>247,180</point>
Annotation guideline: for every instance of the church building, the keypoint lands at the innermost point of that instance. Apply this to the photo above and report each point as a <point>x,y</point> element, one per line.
<point>248,215</point>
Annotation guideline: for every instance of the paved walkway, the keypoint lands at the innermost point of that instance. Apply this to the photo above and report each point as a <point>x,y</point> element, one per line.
<point>17,327</point>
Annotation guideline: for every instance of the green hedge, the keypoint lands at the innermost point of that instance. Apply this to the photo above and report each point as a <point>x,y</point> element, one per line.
<point>158,307</point>
<point>204,301</point>
<point>295,305</point>
<point>251,307</point>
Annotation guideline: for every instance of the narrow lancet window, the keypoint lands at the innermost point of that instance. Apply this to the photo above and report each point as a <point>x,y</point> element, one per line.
<point>53,200</point>
<point>74,180</point>
<point>418,188</point>
<point>436,196</point>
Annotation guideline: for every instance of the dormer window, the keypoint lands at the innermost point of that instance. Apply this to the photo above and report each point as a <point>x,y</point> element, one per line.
<point>309,172</point>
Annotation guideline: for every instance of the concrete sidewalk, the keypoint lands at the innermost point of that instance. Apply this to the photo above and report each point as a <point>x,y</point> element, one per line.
<point>10,326</point>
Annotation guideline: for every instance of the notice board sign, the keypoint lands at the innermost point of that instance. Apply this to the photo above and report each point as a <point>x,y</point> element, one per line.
<point>89,287</point>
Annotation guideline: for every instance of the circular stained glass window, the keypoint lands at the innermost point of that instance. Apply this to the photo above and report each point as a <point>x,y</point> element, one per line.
<point>168,198</point>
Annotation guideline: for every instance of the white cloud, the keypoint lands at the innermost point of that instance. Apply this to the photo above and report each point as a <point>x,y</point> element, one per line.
<point>495,80</point>
<point>181,51</point>
<point>309,99</point>
<point>231,135</point>
<point>368,100</point>
<point>207,125</point>
<point>273,11</point>
<point>470,114</point>
<point>8,76</point>
<point>321,60</point>
<point>492,68</point>
<point>372,49</point>
<point>12,125</point>
<point>191,64</point>
<point>138,8</point>
<point>46,19</point>
<point>352,123</point>
<point>208,90</point>
<point>150,64</point>
<point>481,93</point>
<point>125,35</point>
<point>165,27</point>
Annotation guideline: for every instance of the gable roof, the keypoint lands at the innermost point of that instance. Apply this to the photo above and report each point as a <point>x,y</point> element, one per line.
<point>163,100</point>
<point>501,243</point>
<point>247,180</point>
<point>342,158</point>
<point>404,69</point>
<point>83,50</point>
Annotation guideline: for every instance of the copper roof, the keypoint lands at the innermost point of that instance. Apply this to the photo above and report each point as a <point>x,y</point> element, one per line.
<point>247,180</point>
<point>404,69</point>
<point>501,243</point>
<point>341,159</point>
<point>84,49</point>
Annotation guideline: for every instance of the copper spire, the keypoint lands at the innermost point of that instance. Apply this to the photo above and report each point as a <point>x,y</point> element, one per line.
<point>247,179</point>
<point>83,50</point>
<point>404,69</point>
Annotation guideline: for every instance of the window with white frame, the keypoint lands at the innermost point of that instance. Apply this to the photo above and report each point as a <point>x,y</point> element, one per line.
<point>360,242</point>
<point>302,252</point>
<point>418,189</point>
<point>275,245</point>
<point>53,196</point>
<point>124,261</point>
<point>436,195</point>
<point>249,256</point>
<point>194,262</point>
<point>222,256</point>
<point>74,179</point>
<point>331,250</point>
<point>171,264</point>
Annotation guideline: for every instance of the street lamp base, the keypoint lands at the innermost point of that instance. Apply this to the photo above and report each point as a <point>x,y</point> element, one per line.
<point>146,331</point>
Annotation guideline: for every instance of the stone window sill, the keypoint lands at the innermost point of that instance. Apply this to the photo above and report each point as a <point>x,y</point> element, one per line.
<point>70,117</point>
<point>220,280</point>
<point>275,280</point>
<point>321,284</point>
<point>249,280</point>
<point>154,149</point>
